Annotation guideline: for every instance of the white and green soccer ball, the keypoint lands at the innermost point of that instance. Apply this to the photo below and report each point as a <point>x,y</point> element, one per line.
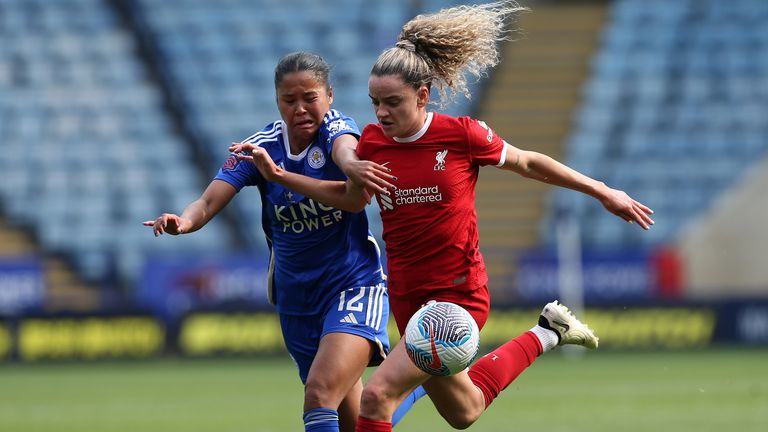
<point>442,338</point>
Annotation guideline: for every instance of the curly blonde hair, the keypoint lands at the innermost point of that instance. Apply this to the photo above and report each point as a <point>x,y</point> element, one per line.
<point>437,49</point>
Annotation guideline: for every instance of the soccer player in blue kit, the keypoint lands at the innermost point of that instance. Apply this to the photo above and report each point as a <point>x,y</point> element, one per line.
<point>325,276</point>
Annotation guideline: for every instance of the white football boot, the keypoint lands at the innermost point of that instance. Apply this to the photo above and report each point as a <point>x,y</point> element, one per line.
<point>570,331</point>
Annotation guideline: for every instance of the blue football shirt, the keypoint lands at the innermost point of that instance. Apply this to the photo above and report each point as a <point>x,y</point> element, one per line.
<point>316,250</point>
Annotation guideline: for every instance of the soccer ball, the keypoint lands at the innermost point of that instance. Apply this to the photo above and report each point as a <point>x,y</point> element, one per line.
<point>442,338</point>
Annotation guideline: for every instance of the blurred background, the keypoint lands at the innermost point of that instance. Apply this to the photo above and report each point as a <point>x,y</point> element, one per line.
<point>115,111</point>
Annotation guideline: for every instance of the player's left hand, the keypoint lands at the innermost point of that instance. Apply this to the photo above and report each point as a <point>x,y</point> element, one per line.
<point>622,205</point>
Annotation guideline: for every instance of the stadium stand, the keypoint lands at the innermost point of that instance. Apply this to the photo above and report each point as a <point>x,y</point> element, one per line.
<point>88,151</point>
<point>66,290</point>
<point>674,110</point>
<point>76,74</point>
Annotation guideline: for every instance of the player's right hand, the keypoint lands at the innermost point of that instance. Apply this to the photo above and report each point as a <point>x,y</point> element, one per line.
<point>241,148</point>
<point>168,223</point>
<point>371,176</point>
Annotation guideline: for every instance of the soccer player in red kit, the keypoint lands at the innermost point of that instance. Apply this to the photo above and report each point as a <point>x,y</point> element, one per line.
<point>430,222</point>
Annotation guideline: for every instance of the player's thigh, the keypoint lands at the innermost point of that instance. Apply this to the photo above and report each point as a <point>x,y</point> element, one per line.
<point>456,398</point>
<point>340,361</point>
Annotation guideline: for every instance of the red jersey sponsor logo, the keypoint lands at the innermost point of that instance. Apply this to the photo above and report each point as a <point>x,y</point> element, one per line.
<point>489,137</point>
<point>417,195</point>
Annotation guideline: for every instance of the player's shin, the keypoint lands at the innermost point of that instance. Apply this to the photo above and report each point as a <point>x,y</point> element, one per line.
<point>493,372</point>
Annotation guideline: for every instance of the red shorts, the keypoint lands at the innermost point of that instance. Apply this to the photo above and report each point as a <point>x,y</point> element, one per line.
<point>476,302</point>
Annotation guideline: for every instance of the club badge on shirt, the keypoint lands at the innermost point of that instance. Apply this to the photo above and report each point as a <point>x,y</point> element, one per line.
<point>316,158</point>
<point>440,159</point>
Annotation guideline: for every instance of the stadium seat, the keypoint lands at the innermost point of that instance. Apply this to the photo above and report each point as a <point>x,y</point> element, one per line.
<point>81,130</point>
<point>676,104</point>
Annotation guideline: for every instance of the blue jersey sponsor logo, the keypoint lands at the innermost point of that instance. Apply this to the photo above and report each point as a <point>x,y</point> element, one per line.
<point>306,215</point>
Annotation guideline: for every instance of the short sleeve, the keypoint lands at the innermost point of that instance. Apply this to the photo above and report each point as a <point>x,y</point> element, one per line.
<point>334,125</point>
<point>238,173</point>
<point>485,147</point>
<point>362,146</point>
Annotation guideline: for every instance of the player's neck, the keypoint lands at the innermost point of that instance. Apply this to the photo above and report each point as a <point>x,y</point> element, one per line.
<point>421,128</point>
<point>417,126</point>
<point>298,145</point>
<point>413,130</point>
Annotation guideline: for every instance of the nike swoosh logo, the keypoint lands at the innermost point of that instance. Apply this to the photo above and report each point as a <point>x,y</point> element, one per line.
<point>436,364</point>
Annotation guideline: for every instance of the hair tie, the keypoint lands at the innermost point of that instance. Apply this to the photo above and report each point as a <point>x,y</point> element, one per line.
<point>406,45</point>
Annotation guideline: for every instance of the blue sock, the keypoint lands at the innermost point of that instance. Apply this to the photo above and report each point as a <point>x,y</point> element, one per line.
<point>406,404</point>
<point>321,420</point>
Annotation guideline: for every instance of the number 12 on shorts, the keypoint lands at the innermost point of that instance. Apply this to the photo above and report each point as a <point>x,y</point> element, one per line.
<point>353,304</point>
<point>365,304</point>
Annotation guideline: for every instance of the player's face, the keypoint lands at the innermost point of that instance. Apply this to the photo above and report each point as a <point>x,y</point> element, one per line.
<point>400,109</point>
<point>303,100</point>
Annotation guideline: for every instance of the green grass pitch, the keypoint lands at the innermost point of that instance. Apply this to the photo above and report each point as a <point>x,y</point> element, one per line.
<point>708,390</point>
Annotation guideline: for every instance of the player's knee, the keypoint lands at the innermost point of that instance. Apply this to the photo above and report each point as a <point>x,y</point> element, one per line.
<point>375,399</point>
<point>460,423</point>
<point>318,394</point>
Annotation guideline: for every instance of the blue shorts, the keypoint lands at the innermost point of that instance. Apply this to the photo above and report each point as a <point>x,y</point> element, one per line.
<point>362,311</point>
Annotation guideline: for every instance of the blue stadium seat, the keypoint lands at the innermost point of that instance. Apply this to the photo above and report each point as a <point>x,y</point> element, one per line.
<point>71,80</point>
<point>677,95</point>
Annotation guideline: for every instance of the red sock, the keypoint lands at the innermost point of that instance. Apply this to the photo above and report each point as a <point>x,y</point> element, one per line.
<point>495,371</point>
<point>368,425</point>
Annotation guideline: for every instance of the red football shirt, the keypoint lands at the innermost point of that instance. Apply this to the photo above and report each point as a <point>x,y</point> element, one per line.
<point>430,221</point>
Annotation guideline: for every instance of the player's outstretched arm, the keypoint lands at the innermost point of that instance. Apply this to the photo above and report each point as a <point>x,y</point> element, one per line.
<point>341,195</point>
<point>197,213</point>
<point>543,168</point>
<point>367,175</point>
